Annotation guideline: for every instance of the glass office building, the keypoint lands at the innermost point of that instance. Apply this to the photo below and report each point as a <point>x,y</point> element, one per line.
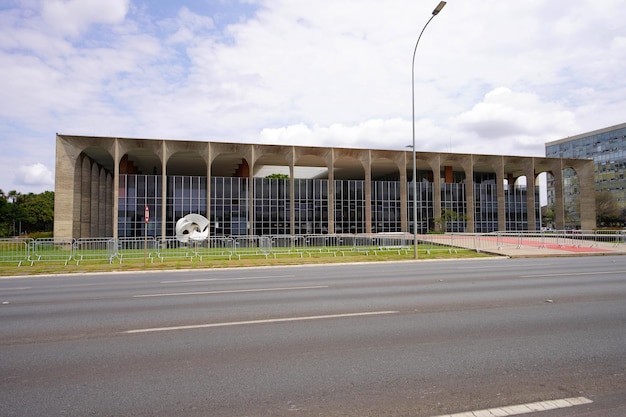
<point>607,148</point>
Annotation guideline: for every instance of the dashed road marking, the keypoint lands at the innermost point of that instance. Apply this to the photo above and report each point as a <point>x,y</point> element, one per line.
<point>266,321</point>
<point>174,294</point>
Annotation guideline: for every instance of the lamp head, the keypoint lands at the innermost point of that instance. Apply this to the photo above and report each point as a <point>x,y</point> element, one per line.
<point>438,8</point>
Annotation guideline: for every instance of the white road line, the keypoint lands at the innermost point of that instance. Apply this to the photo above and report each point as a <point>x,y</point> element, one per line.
<point>569,274</point>
<point>241,323</point>
<point>15,288</point>
<point>226,279</point>
<point>174,294</point>
<point>515,410</point>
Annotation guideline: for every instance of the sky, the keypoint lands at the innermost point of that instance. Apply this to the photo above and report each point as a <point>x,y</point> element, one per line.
<point>491,76</point>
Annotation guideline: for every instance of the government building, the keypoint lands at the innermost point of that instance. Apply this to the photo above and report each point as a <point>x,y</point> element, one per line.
<point>607,148</point>
<point>124,187</point>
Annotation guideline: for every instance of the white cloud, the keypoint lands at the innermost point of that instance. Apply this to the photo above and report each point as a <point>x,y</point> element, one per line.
<point>34,175</point>
<point>187,25</point>
<point>521,119</point>
<point>322,73</point>
<point>71,17</point>
<point>377,134</point>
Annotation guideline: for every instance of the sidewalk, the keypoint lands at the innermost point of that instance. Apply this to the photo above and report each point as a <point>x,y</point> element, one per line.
<point>520,246</point>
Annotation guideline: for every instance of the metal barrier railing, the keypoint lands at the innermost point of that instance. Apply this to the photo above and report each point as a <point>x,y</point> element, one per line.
<point>394,242</point>
<point>137,248</point>
<point>173,248</point>
<point>215,247</point>
<point>22,250</point>
<point>15,250</point>
<point>52,250</point>
<point>286,245</point>
<point>95,249</point>
<point>246,246</point>
<point>499,241</point>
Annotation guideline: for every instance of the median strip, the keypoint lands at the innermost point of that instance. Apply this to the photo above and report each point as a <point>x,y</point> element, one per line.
<point>266,321</point>
<point>515,410</point>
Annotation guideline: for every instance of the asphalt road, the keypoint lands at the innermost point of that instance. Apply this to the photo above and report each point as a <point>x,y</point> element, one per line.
<point>376,339</point>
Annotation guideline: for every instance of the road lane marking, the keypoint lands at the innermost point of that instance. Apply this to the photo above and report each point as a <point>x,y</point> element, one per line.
<point>569,274</point>
<point>226,279</point>
<point>266,321</point>
<point>515,410</point>
<point>15,288</point>
<point>174,294</point>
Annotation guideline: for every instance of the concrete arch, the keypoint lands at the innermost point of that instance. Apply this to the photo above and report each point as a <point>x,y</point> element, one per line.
<point>586,205</point>
<point>350,164</point>
<point>186,158</point>
<point>89,196</point>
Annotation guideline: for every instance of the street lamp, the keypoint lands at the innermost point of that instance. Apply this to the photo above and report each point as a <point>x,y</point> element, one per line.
<point>435,13</point>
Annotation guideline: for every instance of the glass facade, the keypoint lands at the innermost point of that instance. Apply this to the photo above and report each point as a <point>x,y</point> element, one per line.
<point>386,207</point>
<point>135,193</point>
<point>184,195</point>
<point>311,206</point>
<point>230,206</point>
<point>453,200</point>
<point>607,148</point>
<point>486,207</point>
<point>350,206</point>
<point>425,207</point>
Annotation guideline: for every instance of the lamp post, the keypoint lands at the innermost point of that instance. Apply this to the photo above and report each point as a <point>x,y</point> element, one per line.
<point>435,13</point>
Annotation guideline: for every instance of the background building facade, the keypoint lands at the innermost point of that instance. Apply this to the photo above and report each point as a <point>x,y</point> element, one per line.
<point>103,185</point>
<point>607,148</point>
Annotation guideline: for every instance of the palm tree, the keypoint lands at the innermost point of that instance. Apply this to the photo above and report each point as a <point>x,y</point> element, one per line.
<point>12,196</point>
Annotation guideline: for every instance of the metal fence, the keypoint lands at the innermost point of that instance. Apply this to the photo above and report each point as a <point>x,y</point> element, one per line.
<point>52,250</point>
<point>551,240</point>
<point>23,250</point>
<point>15,250</point>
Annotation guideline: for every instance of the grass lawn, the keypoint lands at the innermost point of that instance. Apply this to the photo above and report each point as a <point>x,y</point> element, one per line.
<point>137,263</point>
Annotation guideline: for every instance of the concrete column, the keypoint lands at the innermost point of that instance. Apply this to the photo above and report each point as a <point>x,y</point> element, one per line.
<point>331,192</point>
<point>85,199</point>
<point>404,198</point>
<point>559,201</point>
<point>164,157</point>
<point>368,193</point>
<point>498,168</point>
<point>67,180</point>
<point>95,203</point>
<point>208,188</point>
<point>292,192</point>
<point>102,207</point>
<point>251,200</point>
<point>108,217</point>
<point>469,195</point>
<point>529,171</point>
<point>587,197</point>
<point>435,165</point>
<point>77,202</point>
<point>116,187</point>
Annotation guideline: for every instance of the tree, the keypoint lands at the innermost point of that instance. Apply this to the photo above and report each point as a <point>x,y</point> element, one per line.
<point>278,176</point>
<point>607,210</point>
<point>26,212</point>
<point>447,216</point>
<point>547,215</point>
<point>6,224</point>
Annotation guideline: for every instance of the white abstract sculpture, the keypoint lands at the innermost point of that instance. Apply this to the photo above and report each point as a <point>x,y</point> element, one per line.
<point>192,226</point>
